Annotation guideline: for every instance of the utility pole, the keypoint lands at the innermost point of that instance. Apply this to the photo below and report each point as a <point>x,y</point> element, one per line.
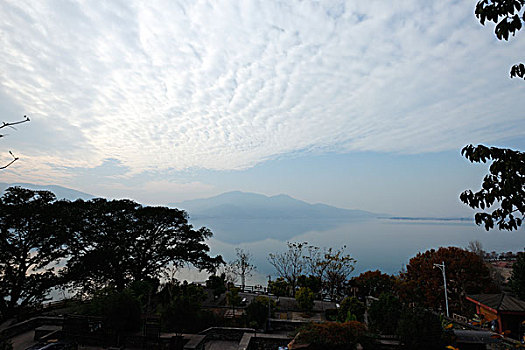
<point>269,307</point>
<point>442,268</point>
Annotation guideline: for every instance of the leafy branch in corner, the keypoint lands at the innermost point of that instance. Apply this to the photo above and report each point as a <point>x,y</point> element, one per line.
<point>11,125</point>
<point>508,15</point>
<point>504,185</point>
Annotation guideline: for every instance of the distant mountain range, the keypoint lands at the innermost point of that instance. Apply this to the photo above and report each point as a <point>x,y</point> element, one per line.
<point>245,205</point>
<point>59,191</point>
<point>236,217</point>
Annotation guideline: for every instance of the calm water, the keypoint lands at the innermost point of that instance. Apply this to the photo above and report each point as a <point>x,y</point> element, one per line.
<point>381,244</point>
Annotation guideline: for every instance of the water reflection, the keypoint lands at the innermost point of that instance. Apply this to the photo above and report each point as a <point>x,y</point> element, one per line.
<point>381,244</point>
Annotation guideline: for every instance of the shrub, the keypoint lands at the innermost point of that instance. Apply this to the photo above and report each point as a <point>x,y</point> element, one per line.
<point>332,335</point>
<point>351,310</point>
<point>305,298</point>
<point>257,311</point>
<point>384,313</point>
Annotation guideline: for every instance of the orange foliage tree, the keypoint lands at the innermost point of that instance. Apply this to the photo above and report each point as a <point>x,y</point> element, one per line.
<point>374,283</point>
<point>466,273</point>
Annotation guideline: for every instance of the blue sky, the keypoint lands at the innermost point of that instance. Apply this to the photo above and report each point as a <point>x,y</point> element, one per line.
<point>355,104</point>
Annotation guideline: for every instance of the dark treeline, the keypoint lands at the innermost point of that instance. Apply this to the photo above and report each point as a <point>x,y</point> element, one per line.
<point>88,246</point>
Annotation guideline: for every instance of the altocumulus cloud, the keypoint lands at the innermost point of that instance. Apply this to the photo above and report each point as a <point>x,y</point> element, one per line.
<point>227,84</point>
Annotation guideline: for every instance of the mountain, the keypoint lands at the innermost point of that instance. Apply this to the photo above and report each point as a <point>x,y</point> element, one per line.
<point>236,217</point>
<point>244,205</point>
<point>59,191</point>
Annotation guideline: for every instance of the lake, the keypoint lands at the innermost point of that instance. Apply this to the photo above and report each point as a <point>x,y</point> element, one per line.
<point>383,244</point>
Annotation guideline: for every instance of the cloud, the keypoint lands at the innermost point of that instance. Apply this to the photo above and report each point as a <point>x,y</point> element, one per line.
<point>226,84</point>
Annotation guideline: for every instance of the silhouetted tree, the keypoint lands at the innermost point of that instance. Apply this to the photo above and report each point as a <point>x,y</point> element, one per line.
<point>517,280</point>
<point>508,16</point>
<point>181,307</point>
<point>503,187</point>
<point>30,246</point>
<point>113,243</point>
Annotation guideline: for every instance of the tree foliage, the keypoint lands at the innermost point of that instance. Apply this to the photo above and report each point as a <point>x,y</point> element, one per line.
<point>332,335</point>
<point>508,15</point>
<point>332,267</point>
<point>374,283</point>
<point>305,298</point>
<point>257,310</point>
<point>351,309</point>
<point>31,243</point>
<point>384,313</point>
<point>120,310</point>
<point>180,307</point>
<point>112,243</point>
<point>419,328</point>
<point>279,287</point>
<point>517,280</point>
<point>502,192</point>
<point>466,273</point>
<point>108,245</point>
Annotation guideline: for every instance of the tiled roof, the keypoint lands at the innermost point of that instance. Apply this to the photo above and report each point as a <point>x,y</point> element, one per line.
<point>500,302</point>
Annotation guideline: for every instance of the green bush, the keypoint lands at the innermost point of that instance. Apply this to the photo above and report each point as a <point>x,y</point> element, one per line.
<point>305,298</point>
<point>121,310</point>
<point>384,314</point>
<point>419,328</point>
<point>351,309</point>
<point>332,335</point>
<point>279,287</point>
<point>257,311</point>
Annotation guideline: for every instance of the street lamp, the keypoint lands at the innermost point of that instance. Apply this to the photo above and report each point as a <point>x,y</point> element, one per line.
<point>442,268</point>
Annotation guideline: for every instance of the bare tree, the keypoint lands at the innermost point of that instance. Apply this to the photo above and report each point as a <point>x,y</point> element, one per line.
<point>242,266</point>
<point>476,247</point>
<point>290,264</point>
<point>11,125</point>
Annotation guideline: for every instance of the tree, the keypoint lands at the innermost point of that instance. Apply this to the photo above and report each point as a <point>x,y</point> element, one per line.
<point>257,310</point>
<point>374,283</point>
<point>120,310</point>
<point>477,248</point>
<point>279,287</point>
<point>242,265</point>
<point>419,328</point>
<point>508,16</point>
<point>338,268</point>
<point>217,284</point>
<point>466,273</point>
<point>31,244</point>
<point>351,309</point>
<point>384,313</point>
<point>116,242</point>
<point>504,187</point>
<point>312,282</point>
<point>332,335</point>
<point>233,298</point>
<point>11,125</point>
<point>517,280</point>
<point>180,308</point>
<point>290,264</point>
<point>305,298</point>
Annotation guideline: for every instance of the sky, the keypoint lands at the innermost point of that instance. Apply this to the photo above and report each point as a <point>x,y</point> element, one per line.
<point>357,104</point>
